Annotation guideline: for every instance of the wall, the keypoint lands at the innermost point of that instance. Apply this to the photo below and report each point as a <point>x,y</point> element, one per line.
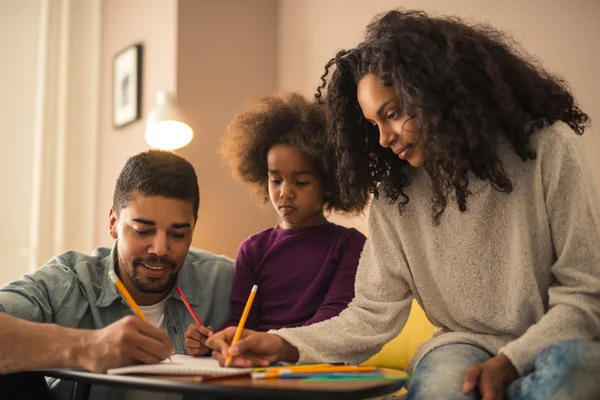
<point>226,55</point>
<point>215,56</point>
<point>20,30</point>
<point>48,107</point>
<point>152,23</point>
<point>563,35</point>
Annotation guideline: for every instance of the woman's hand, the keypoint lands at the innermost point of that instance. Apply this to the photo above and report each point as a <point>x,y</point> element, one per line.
<point>491,378</point>
<point>254,349</point>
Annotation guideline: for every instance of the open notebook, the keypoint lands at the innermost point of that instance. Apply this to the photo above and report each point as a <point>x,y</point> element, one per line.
<point>181,365</point>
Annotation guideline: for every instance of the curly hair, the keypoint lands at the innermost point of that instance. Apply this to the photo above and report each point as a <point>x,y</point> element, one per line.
<point>291,120</point>
<point>468,87</point>
<point>157,173</point>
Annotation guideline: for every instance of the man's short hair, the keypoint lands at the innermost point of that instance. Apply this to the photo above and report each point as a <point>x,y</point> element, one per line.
<point>157,173</point>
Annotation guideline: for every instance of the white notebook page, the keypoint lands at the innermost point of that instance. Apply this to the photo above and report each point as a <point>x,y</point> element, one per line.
<point>181,365</point>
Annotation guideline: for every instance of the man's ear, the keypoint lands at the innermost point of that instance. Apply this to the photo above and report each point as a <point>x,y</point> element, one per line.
<point>112,223</point>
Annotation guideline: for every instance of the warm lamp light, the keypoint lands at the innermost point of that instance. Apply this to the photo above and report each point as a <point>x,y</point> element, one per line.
<point>165,128</point>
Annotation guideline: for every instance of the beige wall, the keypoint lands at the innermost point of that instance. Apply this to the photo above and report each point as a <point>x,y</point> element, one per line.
<point>152,23</point>
<point>215,56</point>
<point>226,55</point>
<point>564,35</point>
<point>19,41</point>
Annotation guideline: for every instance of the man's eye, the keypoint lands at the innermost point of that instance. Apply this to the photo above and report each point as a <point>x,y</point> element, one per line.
<point>178,235</point>
<point>142,232</point>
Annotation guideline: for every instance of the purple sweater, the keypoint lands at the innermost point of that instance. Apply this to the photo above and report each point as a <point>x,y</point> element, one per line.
<point>304,275</point>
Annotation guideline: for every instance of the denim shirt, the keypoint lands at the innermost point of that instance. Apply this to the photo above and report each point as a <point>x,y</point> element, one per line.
<point>74,290</point>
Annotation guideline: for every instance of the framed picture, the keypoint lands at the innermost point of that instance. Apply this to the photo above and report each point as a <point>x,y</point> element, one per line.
<point>127,86</point>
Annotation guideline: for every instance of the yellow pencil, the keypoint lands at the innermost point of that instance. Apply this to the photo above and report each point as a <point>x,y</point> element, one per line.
<point>240,327</point>
<point>113,277</point>
<point>125,293</point>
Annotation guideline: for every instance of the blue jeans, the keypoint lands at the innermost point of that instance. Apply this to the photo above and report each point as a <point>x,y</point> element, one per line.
<point>568,370</point>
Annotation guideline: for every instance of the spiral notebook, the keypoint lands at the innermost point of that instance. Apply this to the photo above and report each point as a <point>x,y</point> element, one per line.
<point>181,365</point>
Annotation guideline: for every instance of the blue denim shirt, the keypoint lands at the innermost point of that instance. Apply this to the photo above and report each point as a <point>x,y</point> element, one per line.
<point>74,290</point>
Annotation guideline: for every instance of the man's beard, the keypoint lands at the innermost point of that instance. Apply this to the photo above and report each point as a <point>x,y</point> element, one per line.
<point>155,287</point>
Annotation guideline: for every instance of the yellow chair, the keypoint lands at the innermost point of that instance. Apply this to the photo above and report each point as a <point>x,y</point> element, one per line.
<point>397,353</point>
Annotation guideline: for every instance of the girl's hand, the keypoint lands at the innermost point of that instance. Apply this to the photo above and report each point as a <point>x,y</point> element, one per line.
<point>254,349</point>
<point>195,339</point>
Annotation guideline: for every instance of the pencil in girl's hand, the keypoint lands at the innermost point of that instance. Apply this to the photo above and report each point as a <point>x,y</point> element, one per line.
<point>188,305</point>
<point>240,327</point>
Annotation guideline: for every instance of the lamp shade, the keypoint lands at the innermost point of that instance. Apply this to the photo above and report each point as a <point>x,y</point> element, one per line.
<point>165,126</point>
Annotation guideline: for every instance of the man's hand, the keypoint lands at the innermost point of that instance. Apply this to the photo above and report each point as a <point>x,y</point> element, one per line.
<point>254,349</point>
<point>491,377</point>
<point>195,339</point>
<point>125,342</point>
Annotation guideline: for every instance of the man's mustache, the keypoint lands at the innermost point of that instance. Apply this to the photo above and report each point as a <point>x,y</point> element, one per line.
<point>157,260</point>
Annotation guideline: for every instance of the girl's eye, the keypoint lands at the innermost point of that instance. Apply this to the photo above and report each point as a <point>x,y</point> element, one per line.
<point>301,184</point>
<point>393,115</point>
<point>275,181</point>
<point>178,235</point>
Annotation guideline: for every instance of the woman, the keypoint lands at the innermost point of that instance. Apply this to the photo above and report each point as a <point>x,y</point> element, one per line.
<point>485,211</point>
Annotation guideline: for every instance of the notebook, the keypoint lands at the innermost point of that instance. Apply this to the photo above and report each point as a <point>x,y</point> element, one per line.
<point>181,365</point>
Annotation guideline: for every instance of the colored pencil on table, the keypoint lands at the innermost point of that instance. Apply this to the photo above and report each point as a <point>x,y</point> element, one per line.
<point>188,305</point>
<point>240,327</point>
<point>286,371</point>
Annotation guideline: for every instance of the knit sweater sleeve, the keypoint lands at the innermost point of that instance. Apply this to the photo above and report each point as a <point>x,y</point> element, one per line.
<point>573,210</point>
<point>379,309</point>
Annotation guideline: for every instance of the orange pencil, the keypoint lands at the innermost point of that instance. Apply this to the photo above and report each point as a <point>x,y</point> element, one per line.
<point>188,305</point>
<point>240,327</point>
<point>125,293</point>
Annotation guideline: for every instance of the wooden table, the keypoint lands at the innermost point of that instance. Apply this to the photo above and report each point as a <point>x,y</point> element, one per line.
<point>192,387</point>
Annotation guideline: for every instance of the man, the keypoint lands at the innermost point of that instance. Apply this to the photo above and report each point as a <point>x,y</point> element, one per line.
<point>69,313</point>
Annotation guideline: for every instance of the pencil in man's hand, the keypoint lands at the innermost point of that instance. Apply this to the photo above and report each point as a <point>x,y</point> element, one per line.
<point>128,298</point>
<point>125,293</point>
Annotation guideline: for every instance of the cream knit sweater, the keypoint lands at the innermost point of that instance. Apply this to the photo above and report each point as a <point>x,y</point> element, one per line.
<point>513,274</point>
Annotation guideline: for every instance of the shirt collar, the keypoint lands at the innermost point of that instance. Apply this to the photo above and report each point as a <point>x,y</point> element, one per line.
<point>109,291</point>
<point>184,281</point>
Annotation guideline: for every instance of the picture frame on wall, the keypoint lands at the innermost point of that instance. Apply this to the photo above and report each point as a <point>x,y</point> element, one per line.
<point>127,86</point>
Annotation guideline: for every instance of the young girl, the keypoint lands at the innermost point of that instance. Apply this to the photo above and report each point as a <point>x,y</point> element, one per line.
<point>305,267</point>
<point>485,212</point>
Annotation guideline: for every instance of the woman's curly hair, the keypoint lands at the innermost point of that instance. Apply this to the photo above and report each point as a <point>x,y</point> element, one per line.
<point>292,120</point>
<point>468,87</point>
